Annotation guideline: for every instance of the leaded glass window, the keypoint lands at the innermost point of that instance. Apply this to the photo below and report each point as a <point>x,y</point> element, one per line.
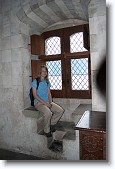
<point>55,75</point>
<point>76,43</point>
<point>79,74</point>
<point>52,46</point>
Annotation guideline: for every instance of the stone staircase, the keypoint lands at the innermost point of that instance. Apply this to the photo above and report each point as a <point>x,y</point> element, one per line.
<point>64,145</point>
<point>64,130</point>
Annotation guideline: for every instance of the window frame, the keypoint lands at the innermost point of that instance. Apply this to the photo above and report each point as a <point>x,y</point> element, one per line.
<point>81,94</point>
<point>65,57</point>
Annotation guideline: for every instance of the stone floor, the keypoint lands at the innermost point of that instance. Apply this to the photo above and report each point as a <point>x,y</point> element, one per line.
<point>9,155</point>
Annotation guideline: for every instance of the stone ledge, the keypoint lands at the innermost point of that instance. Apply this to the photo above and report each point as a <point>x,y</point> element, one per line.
<point>32,113</point>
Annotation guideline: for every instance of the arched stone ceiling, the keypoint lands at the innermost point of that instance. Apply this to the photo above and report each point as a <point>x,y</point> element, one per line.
<point>44,15</point>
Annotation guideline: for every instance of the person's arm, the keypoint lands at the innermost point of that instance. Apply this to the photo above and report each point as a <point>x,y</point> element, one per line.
<point>49,95</point>
<point>38,98</point>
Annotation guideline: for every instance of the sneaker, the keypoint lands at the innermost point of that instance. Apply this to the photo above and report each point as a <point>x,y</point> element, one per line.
<point>52,128</point>
<point>48,134</point>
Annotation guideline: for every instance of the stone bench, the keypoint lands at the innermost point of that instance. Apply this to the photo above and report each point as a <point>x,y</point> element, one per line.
<point>64,130</point>
<point>76,115</point>
<point>31,112</point>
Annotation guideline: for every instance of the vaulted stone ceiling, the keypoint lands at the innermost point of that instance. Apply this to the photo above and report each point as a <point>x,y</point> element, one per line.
<point>44,15</point>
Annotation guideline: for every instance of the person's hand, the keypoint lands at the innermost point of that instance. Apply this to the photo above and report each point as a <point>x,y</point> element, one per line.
<point>48,104</point>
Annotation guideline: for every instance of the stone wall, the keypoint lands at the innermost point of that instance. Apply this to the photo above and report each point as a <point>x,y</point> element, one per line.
<point>97,25</point>
<point>70,105</point>
<point>14,71</point>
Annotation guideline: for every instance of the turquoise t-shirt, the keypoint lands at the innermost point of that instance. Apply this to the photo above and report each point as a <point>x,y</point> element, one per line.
<point>42,91</point>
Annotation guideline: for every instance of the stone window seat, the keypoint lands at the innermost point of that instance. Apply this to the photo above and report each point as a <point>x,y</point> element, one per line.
<point>32,113</point>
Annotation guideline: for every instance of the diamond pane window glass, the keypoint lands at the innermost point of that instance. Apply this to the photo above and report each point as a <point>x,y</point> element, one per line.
<point>52,46</point>
<point>76,43</point>
<point>79,74</point>
<point>55,75</point>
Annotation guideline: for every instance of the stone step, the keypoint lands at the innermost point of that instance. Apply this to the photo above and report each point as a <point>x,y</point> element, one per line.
<point>58,135</point>
<point>53,142</point>
<point>65,126</point>
<point>64,131</point>
<point>52,149</point>
<point>71,149</point>
<point>70,135</point>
